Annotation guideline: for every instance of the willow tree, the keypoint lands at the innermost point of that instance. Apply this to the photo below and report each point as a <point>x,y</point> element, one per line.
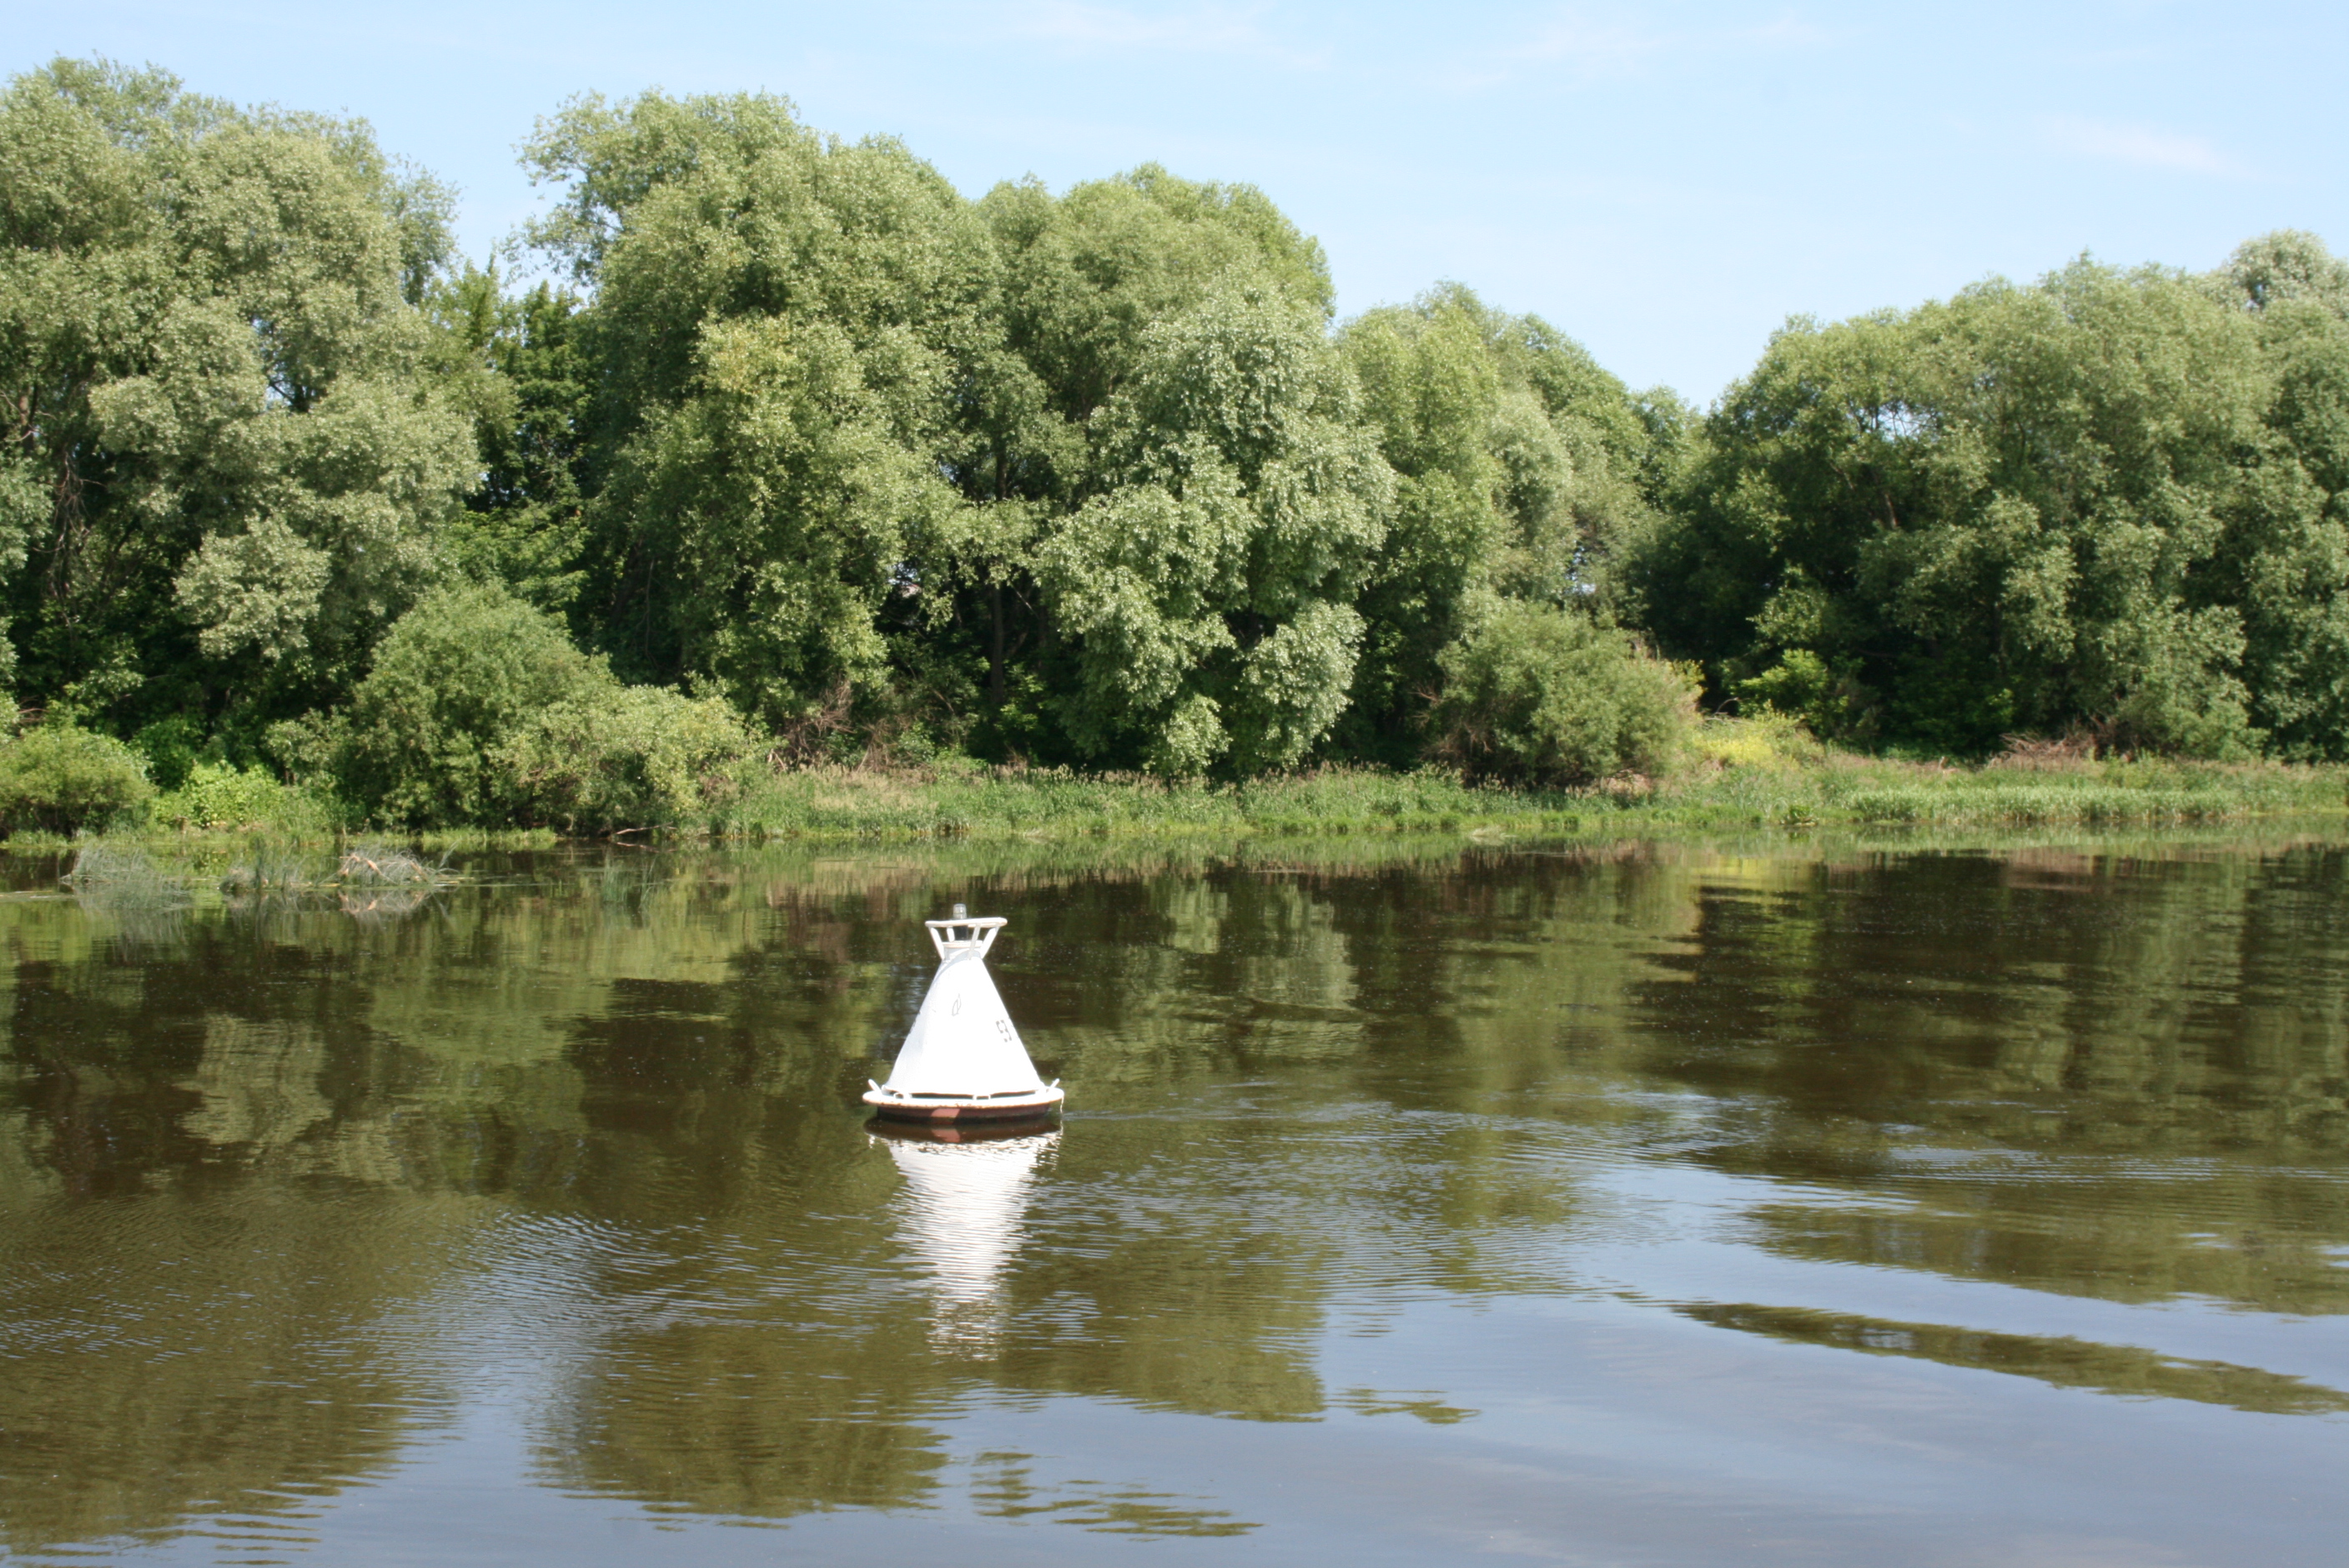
<point>783,327</point>
<point>1520,465</point>
<point>1208,584</point>
<point>227,461</point>
<point>1085,276</point>
<point>2000,512</point>
<point>2284,561</point>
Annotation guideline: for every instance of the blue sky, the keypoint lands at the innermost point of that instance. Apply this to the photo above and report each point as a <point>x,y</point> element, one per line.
<point>1668,182</point>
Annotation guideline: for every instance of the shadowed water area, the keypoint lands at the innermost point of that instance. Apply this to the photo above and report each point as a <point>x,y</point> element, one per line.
<point>1784,1202</point>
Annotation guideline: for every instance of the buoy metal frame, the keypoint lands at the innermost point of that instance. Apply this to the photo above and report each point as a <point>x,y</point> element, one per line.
<point>962,1060</point>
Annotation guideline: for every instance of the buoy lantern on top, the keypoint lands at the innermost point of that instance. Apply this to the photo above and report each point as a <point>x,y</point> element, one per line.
<point>962,1060</point>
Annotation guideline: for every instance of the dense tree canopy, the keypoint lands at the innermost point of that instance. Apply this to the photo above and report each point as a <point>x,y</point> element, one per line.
<point>781,327</point>
<point>1521,467</point>
<point>2102,500</point>
<point>1209,581</point>
<point>229,460</point>
<point>824,456</point>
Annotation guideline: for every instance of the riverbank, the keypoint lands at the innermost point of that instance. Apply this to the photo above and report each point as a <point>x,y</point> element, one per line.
<point>1836,791</point>
<point>1739,776</point>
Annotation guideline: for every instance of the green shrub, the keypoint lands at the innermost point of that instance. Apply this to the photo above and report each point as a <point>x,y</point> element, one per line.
<point>480,712</point>
<point>1537,694</point>
<point>215,797</point>
<point>170,747</point>
<point>455,680</point>
<point>61,779</point>
<point>618,756</point>
<point>1828,702</point>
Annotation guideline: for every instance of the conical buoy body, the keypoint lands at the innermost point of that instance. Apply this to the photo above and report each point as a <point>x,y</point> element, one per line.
<point>962,1060</point>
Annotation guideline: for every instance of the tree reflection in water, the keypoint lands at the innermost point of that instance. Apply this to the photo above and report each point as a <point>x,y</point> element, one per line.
<point>280,1178</point>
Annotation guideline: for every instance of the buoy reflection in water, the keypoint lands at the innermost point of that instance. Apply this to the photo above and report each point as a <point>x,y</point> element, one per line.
<point>962,1215</point>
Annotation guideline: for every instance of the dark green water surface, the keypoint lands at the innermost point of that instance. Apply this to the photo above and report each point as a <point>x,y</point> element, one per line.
<point>1782,1203</point>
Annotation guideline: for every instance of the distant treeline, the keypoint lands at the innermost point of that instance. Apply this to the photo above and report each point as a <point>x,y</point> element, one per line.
<point>791,452</point>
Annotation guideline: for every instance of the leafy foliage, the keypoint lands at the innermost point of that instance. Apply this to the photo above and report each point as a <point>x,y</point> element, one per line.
<point>629,756</point>
<point>480,709</point>
<point>778,323</point>
<point>1539,694</point>
<point>2013,511</point>
<point>1208,583</point>
<point>214,797</point>
<point>834,463</point>
<point>514,363</point>
<point>1090,284</point>
<point>225,463</point>
<point>61,779</point>
<point>459,677</point>
<point>1520,467</point>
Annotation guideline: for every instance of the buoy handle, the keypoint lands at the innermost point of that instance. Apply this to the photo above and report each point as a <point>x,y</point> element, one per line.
<point>964,934</point>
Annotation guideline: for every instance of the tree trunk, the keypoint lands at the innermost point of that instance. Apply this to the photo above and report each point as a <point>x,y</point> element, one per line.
<point>996,688</point>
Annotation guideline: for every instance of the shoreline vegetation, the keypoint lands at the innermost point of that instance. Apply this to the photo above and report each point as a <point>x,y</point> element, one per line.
<point>797,496</point>
<point>1735,776</point>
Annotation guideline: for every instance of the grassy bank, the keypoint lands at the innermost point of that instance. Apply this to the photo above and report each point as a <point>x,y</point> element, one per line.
<point>1738,776</point>
<point>1829,791</point>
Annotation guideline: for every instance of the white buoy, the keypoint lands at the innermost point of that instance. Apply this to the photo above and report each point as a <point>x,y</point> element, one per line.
<point>962,1060</point>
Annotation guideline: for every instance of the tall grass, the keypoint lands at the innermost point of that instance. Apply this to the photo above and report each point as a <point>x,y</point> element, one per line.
<point>1038,803</point>
<point>1739,774</point>
<point>1733,775</point>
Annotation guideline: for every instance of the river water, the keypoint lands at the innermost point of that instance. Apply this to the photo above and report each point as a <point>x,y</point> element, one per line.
<point>1774,1202</point>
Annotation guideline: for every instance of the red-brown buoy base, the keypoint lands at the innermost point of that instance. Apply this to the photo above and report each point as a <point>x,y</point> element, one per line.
<point>935,1108</point>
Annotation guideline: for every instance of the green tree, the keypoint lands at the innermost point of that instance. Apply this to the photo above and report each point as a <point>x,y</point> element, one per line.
<point>2280,268</point>
<point>1208,586</point>
<point>780,328</point>
<point>1521,465</point>
<point>513,361</point>
<point>1084,277</point>
<point>1087,275</point>
<point>1994,513</point>
<point>2285,557</point>
<point>227,461</point>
